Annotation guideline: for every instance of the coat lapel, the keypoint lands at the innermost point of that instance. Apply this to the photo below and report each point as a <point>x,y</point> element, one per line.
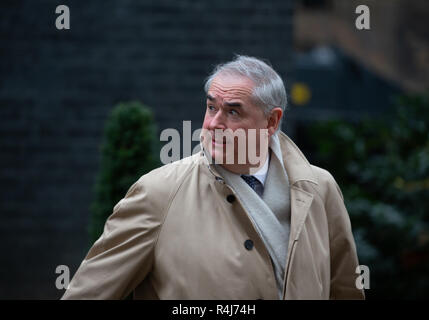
<point>300,206</point>
<point>299,169</point>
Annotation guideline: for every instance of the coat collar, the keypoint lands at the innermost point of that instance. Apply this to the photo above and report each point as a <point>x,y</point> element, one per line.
<point>296,164</point>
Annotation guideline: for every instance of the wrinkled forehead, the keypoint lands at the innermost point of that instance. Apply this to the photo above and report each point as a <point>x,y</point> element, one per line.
<point>230,87</point>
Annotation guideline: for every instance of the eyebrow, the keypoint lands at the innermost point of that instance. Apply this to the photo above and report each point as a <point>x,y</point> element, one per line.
<point>229,104</point>
<point>233,104</point>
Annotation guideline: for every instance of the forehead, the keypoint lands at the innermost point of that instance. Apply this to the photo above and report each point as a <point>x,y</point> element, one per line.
<point>230,87</point>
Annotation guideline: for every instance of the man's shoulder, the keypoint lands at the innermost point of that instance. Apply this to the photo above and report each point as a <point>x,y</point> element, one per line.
<point>327,185</point>
<point>323,178</point>
<point>322,175</point>
<point>170,174</point>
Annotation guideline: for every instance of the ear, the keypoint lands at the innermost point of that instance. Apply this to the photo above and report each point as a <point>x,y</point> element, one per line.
<point>274,120</point>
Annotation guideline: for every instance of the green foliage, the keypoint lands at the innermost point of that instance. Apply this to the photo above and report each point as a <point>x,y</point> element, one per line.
<point>382,166</point>
<point>129,150</point>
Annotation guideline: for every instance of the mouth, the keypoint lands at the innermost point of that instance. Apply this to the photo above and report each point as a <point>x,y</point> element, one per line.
<point>218,142</point>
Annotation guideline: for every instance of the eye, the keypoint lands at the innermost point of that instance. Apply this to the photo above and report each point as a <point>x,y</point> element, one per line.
<point>211,108</point>
<point>233,112</point>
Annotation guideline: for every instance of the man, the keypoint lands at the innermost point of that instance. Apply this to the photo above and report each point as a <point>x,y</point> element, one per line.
<point>226,224</point>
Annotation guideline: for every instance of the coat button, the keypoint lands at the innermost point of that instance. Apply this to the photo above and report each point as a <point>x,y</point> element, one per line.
<point>230,198</point>
<point>248,244</point>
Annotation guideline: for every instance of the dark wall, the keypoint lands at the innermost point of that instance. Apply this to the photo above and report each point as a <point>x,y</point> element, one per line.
<point>57,87</point>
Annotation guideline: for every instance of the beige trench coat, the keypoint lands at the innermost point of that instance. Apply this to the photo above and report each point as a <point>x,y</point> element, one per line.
<point>179,233</point>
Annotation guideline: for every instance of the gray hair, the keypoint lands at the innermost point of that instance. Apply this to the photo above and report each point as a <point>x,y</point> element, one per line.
<point>269,90</point>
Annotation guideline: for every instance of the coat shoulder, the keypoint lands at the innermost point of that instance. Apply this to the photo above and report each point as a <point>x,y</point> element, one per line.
<point>156,188</point>
<point>165,179</point>
<point>327,185</point>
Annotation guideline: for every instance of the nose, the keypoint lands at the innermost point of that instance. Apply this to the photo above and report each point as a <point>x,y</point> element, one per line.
<point>217,122</point>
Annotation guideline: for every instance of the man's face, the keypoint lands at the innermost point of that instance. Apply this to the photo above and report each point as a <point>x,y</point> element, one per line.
<point>230,105</point>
